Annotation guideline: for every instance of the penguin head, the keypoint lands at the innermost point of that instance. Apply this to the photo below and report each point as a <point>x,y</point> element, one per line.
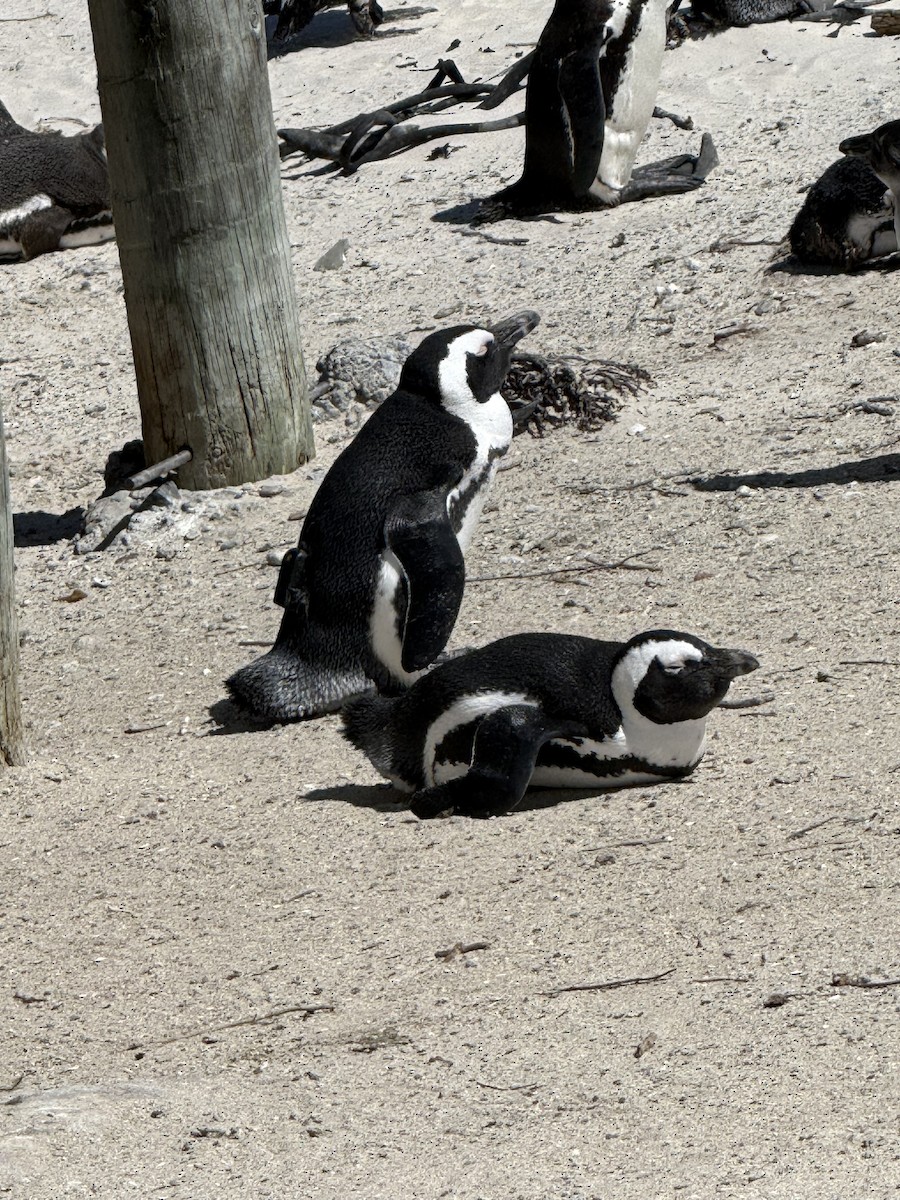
<point>465,365</point>
<point>668,677</point>
<point>881,150</point>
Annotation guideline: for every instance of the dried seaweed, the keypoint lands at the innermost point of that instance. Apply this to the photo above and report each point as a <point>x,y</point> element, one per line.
<point>548,392</point>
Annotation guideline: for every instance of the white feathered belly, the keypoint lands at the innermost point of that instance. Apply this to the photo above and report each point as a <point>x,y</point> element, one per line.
<point>634,101</point>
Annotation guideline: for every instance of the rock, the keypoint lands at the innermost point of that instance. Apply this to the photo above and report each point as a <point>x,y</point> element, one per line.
<point>356,376</point>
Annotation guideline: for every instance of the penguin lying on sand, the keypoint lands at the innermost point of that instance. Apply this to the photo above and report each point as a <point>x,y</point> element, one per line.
<point>54,190</point>
<point>591,91</point>
<point>880,150</point>
<point>546,710</point>
<point>372,592</point>
<point>847,218</point>
<point>290,16</point>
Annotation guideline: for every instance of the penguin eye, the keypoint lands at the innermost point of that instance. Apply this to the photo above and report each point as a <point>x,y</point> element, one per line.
<point>482,350</point>
<point>674,669</point>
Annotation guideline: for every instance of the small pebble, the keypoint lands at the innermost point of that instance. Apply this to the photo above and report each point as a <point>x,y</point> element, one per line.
<point>271,489</point>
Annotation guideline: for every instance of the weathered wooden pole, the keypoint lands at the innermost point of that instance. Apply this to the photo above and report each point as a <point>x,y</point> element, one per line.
<point>196,197</point>
<point>12,736</point>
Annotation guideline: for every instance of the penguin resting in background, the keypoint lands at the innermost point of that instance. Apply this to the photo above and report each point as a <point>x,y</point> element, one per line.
<point>54,190</point>
<point>546,710</point>
<point>880,150</point>
<point>591,91</point>
<point>372,592</point>
<point>847,218</point>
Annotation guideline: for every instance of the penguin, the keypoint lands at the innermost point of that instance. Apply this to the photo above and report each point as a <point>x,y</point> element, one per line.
<point>545,710</point>
<point>591,92</point>
<point>846,219</point>
<point>372,591</point>
<point>880,150</point>
<point>287,17</point>
<point>54,190</point>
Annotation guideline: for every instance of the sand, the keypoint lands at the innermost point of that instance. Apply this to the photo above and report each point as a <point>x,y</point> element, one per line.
<point>219,952</point>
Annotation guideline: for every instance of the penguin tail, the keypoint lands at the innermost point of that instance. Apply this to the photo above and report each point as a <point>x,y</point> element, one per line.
<point>368,724</point>
<point>280,686</point>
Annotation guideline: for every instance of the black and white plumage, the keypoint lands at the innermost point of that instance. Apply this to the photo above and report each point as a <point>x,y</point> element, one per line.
<point>54,190</point>
<point>373,589</point>
<point>847,218</point>
<point>880,150</point>
<point>591,92</point>
<point>546,710</point>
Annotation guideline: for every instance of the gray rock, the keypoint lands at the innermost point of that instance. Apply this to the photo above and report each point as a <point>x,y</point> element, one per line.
<point>356,376</point>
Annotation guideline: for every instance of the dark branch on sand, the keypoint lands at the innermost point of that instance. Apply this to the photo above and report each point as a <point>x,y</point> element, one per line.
<point>606,987</point>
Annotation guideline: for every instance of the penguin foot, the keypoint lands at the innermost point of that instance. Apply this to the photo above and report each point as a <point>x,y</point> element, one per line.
<point>280,686</point>
<point>468,796</point>
<point>671,176</point>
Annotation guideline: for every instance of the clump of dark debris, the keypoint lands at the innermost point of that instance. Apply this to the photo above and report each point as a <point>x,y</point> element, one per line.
<point>547,392</point>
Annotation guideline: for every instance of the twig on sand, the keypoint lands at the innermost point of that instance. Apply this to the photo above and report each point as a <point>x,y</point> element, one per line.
<point>509,1087</point>
<point>306,1010</point>
<point>733,329</point>
<point>589,489</point>
<point>799,833</point>
<point>36,17</point>
<point>147,727</point>
<point>748,701</point>
<point>723,979</point>
<point>492,237</point>
<point>842,979</point>
<point>461,948</point>
<point>656,841</point>
<point>608,986</point>
<point>591,564</point>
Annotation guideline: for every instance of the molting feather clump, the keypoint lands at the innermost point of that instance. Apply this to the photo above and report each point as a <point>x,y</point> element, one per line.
<point>551,710</point>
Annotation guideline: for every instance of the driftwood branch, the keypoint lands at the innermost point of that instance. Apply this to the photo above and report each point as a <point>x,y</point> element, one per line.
<point>158,470</point>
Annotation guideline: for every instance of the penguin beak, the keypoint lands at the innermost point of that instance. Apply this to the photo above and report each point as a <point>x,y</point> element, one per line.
<point>732,663</point>
<point>512,329</point>
<point>856,147</point>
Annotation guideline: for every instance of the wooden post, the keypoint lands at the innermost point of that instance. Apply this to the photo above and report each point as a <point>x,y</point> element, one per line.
<point>12,738</point>
<point>196,197</point>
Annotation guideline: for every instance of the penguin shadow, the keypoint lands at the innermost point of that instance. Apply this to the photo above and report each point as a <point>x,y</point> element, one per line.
<point>883,468</point>
<point>333,28</point>
<point>45,529</point>
<point>228,718</point>
<point>383,797</point>
<point>791,265</point>
<point>471,212</point>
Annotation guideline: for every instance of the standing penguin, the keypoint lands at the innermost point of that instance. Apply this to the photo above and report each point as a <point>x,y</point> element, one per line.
<point>373,589</point>
<point>591,91</point>
<point>549,710</point>
<point>881,150</point>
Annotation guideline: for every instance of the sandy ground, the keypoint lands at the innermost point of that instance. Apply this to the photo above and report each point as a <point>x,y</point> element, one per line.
<point>218,951</point>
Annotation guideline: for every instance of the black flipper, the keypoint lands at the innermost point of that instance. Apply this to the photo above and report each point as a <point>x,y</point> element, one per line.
<point>505,750</point>
<point>419,534</point>
<point>582,94</point>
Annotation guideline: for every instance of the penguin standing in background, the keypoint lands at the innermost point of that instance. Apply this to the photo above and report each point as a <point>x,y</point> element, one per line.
<point>372,592</point>
<point>880,149</point>
<point>546,710</point>
<point>54,190</point>
<point>591,92</point>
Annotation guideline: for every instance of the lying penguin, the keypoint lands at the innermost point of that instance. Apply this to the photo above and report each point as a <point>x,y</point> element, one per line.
<point>880,150</point>
<point>54,190</point>
<point>546,710</point>
<point>591,91</point>
<point>847,218</point>
<point>373,589</point>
